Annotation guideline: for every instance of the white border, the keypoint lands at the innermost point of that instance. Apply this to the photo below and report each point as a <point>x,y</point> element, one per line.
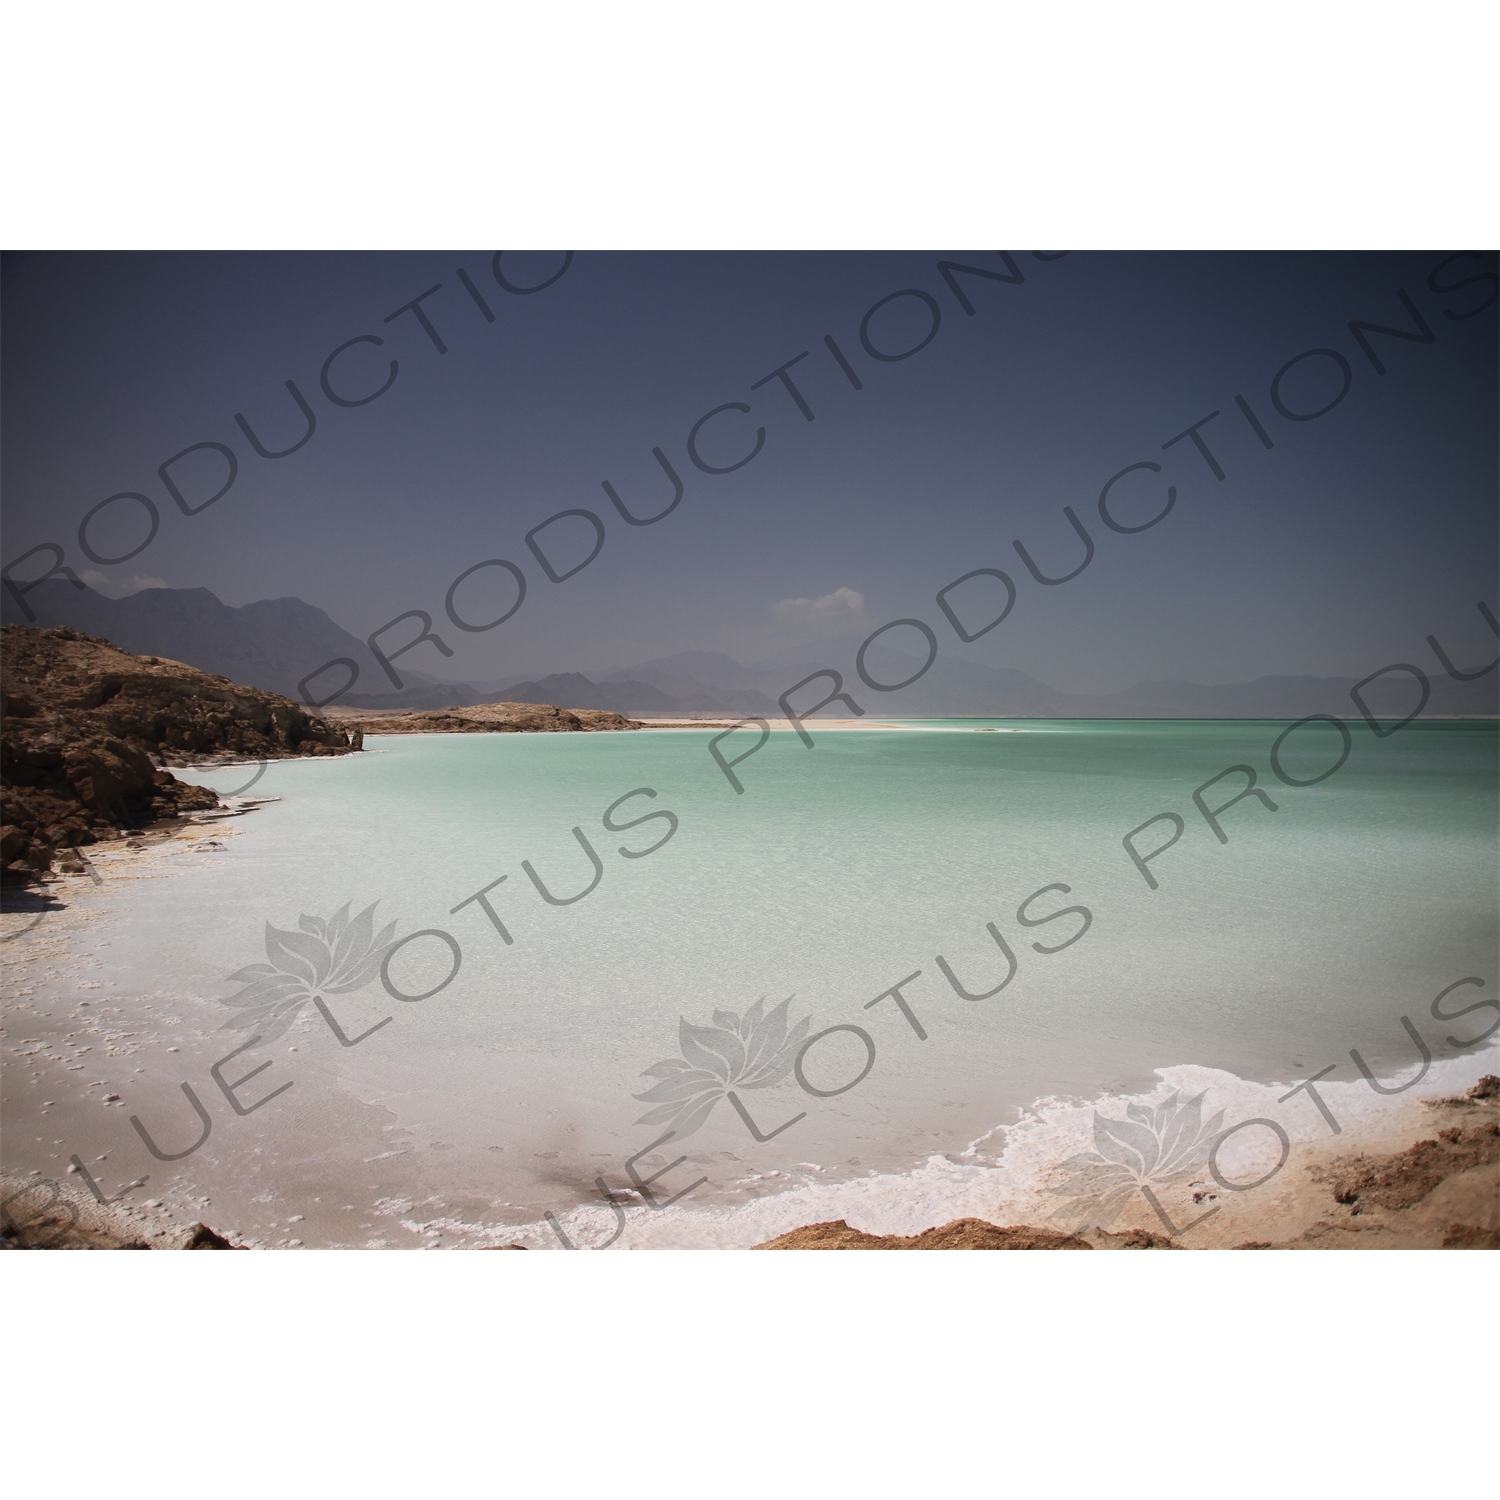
<point>795,123</point>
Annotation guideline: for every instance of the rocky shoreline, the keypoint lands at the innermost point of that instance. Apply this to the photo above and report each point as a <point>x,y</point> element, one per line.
<point>482,718</point>
<point>89,730</point>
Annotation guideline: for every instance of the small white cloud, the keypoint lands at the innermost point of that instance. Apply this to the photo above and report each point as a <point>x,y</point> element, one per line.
<point>118,588</point>
<point>839,606</point>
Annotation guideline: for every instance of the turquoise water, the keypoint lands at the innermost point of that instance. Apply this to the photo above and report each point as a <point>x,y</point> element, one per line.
<point>839,871</point>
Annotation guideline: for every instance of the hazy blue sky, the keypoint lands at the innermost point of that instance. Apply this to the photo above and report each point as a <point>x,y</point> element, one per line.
<point>1335,552</point>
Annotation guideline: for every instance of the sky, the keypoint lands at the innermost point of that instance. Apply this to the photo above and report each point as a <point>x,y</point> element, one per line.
<point>1333,552</point>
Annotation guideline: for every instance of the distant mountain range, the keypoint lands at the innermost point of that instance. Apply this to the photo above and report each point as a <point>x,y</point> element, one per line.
<point>274,643</point>
<point>271,644</point>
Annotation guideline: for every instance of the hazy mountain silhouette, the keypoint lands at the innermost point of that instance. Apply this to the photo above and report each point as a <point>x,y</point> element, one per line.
<point>274,643</point>
<point>271,644</point>
<point>572,690</point>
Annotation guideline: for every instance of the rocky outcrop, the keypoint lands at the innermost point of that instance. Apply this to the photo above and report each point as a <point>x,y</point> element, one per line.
<point>1487,1088</point>
<point>1401,1181</point>
<point>1470,1237</point>
<point>961,1234</point>
<point>88,730</point>
<point>489,718</point>
<point>1132,1239</point>
<point>37,1213</point>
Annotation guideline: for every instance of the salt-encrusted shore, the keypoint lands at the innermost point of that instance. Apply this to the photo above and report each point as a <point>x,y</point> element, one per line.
<point>1010,1181</point>
<point>1424,1174</point>
<point>1367,1191</point>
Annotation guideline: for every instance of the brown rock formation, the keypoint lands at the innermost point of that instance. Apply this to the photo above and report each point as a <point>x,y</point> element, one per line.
<point>487,718</point>
<point>1134,1239</point>
<point>201,1237</point>
<point>1470,1237</point>
<point>961,1234</point>
<point>87,728</point>
<point>1487,1088</point>
<point>1403,1180</point>
<point>39,1214</point>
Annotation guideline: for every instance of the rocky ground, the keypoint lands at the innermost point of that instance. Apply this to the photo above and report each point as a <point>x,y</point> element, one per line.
<point>88,731</point>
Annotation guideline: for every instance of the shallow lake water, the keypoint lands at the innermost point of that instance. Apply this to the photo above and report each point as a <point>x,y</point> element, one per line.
<point>872,859</point>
